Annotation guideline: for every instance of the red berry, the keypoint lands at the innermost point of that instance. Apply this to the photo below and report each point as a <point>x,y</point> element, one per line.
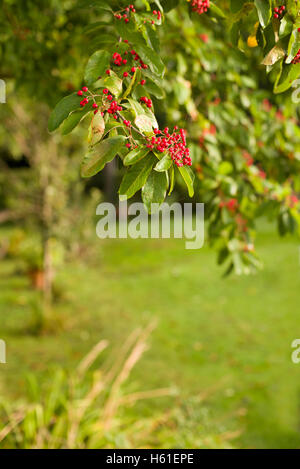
<point>133,69</point>
<point>85,89</point>
<point>143,82</point>
<point>125,74</point>
<point>105,91</point>
<point>80,93</point>
<point>95,106</point>
<point>128,145</point>
<point>107,72</point>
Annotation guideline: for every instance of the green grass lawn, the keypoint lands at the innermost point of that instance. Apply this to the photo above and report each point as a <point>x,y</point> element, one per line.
<point>227,339</point>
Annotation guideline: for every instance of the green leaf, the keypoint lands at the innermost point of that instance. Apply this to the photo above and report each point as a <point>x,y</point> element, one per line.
<point>151,58</point>
<point>154,191</point>
<point>136,74</point>
<point>264,10</point>
<point>96,130</point>
<point>144,123</point>
<point>62,110</point>
<point>170,4</point>
<point>96,66</point>
<point>294,46</point>
<point>135,155</point>
<point>275,54</point>
<point>99,4</point>
<point>225,168</point>
<point>216,11</point>
<point>164,164</point>
<point>286,27</point>
<point>136,106</point>
<point>136,176</point>
<point>112,82</point>
<point>73,120</point>
<point>288,75</point>
<point>237,5</point>
<point>172,179</point>
<point>188,178</point>
<point>154,89</point>
<point>96,158</point>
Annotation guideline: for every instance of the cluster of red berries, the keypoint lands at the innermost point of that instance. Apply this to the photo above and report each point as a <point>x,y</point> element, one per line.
<point>174,143</point>
<point>125,16</point>
<point>200,6</point>
<point>231,205</point>
<point>146,101</point>
<point>136,57</point>
<point>157,13</point>
<point>85,101</point>
<point>118,60</point>
<point>296,59</point>
<point>279,11</point>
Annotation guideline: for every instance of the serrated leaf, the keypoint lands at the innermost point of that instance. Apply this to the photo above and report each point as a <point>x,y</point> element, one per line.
<point>96,158</point>
<point>154,191</point>
<point>96,66</point>
<point>62,110</point>
<point>136,176</point>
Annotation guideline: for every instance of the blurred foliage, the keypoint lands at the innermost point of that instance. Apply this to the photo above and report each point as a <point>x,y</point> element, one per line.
<point>85,410</point>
